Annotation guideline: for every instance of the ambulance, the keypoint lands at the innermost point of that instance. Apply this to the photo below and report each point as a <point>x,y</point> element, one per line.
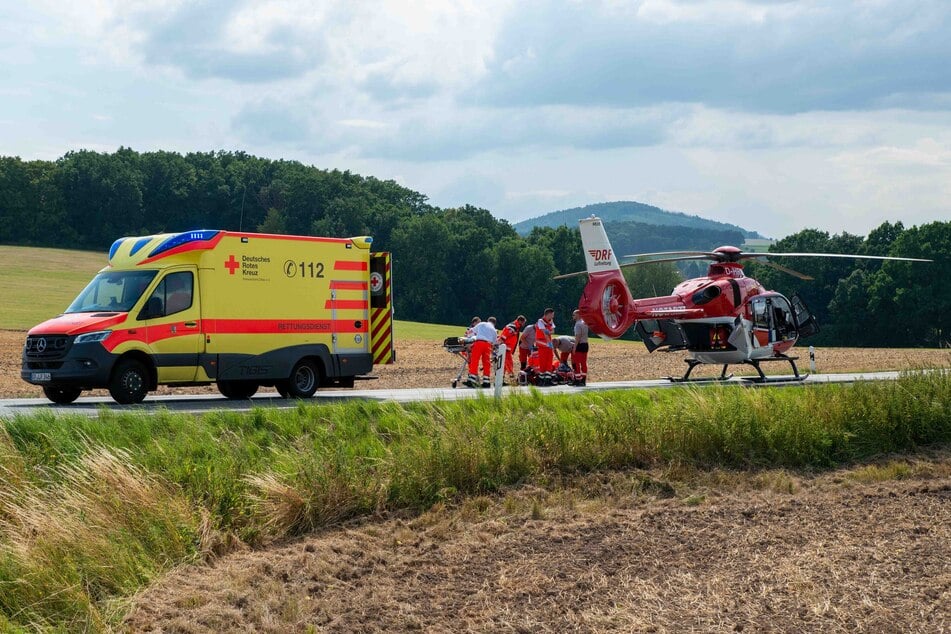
<point>240,310</point>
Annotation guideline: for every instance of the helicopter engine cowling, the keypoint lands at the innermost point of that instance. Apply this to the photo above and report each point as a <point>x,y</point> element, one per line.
<point>606,304</point>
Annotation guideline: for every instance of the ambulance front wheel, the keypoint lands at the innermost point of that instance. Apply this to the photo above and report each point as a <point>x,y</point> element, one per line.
<point>130,382</point>
<point>61,395</point>
<point>305,377</point>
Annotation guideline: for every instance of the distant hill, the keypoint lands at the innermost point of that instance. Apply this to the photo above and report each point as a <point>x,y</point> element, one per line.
<point>628,211</point>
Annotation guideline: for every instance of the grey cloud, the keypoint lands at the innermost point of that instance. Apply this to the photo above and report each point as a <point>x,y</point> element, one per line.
<point>827,56</point>
<point>190,41</point>
<point>456,137</point>
<point>270,123</point>
<point>455,134</point>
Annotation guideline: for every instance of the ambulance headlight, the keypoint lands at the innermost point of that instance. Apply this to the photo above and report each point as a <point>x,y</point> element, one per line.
<point>93,337</point>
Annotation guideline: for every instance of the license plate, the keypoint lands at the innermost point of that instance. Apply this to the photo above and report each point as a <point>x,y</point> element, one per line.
<point>39,377</point>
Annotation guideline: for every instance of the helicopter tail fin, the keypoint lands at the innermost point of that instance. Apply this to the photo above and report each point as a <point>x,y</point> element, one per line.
<point>606,304</point>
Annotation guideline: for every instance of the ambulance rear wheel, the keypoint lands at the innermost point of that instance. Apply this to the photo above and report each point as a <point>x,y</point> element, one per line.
<point>130,382</point>
<point>61,395</point>
<point>305,377</point>
<point>237,390</point>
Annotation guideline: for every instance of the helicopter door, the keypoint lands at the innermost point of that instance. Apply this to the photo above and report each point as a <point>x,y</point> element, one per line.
<point>805,321</point>
<point>772,319</point>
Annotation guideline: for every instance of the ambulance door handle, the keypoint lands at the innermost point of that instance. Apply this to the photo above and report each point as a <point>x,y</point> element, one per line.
<point>191,324</point>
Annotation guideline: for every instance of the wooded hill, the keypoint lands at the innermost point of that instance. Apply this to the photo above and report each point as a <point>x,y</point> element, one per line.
<point>630,211</point>
<point>450,264</point>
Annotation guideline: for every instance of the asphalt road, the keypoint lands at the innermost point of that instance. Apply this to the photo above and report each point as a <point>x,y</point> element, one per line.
<point>91,406</point>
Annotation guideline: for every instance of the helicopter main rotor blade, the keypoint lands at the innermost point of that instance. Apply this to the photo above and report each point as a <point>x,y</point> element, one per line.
<point>677,259</point>
<point>747,256</point>
<point>788,270</point>
<point>565,276</point>
<point>649,255</point>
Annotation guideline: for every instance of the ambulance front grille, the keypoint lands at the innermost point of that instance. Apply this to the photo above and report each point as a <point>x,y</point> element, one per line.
<point>44,365</point>
<point>46,346</point>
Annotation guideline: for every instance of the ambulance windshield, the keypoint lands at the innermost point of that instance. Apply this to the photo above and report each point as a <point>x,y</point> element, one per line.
<point>115,291</point>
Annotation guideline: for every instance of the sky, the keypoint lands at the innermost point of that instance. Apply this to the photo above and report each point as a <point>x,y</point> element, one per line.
<point>773,115</point>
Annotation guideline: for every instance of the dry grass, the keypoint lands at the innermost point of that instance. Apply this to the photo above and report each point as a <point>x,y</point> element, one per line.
<point>64,544</point>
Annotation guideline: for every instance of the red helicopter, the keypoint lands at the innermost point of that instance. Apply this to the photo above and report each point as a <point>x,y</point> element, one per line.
<point>724,318</point>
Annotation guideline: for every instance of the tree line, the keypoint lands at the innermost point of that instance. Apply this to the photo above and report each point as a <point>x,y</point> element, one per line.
<point>449,263</point>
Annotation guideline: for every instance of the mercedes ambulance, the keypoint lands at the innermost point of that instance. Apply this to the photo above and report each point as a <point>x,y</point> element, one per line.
<point>240,310</point>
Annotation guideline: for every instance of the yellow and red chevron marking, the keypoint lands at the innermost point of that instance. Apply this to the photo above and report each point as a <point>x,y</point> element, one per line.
<point>381,321</point>
<point>381,336</point>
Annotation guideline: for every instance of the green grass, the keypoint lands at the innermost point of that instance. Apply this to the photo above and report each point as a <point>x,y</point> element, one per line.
<point>428,332</point>
<point>91,510</point>
<point>40,283</point>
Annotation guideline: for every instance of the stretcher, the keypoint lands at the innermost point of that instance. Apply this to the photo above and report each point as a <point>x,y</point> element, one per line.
<point>456,346</point>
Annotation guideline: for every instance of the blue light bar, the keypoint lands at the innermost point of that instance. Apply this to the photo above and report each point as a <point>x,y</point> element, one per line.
<point>202,235</point>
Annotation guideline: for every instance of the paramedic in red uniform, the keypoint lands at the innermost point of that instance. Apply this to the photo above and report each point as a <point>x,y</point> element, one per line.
<point>544,329</point>
<point>509,336</point>
<point>579,357</point>
<point>485,337</point>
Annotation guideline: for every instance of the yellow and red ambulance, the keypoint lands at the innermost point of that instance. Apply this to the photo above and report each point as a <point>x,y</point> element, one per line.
<point>241,310</point>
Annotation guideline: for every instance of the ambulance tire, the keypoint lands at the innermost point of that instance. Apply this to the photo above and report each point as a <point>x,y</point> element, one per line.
<point>345,381</point>
<point>129,383</point>
<point>237,390</point>
<point>305,377</point>
<point>61,395</point>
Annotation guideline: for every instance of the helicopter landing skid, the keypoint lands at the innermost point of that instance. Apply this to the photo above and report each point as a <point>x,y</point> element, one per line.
<point>692,363</point>
<point>762,378</point>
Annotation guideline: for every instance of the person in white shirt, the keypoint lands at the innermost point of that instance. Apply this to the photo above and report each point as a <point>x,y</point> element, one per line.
<point>484,336</point>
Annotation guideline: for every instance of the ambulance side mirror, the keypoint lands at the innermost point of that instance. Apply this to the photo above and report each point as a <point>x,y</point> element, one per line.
<point>152,309</point>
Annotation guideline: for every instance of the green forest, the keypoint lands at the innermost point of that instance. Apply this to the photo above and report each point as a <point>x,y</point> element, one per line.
<point>453,263</point>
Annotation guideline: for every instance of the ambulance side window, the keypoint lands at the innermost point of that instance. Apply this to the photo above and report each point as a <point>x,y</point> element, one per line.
<point>178,292</point>
<point>172,295</point>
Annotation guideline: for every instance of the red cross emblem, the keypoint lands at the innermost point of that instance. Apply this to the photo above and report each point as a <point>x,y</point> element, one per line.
<point>231,264</point>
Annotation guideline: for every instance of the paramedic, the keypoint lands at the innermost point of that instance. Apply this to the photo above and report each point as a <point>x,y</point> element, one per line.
<point>579,357</point>
<point>544,329</point>
<point>525,344</point>
<point>509,336</point>
<point>472,324</point>
<point>485,337</point>
<point>564,346</point>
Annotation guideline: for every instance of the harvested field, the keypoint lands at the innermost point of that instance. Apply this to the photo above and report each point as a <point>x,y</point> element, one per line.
<point>853,550</point>
<point>423,363</point>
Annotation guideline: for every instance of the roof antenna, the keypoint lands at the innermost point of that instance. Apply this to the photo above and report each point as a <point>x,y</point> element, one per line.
<point>241,217</point>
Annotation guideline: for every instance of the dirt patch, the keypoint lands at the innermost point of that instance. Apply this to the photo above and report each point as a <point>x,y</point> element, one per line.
<point>612,552</point>
<point>427,364</point>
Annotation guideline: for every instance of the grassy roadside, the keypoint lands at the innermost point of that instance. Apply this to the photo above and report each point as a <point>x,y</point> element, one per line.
<point>91,510</point>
